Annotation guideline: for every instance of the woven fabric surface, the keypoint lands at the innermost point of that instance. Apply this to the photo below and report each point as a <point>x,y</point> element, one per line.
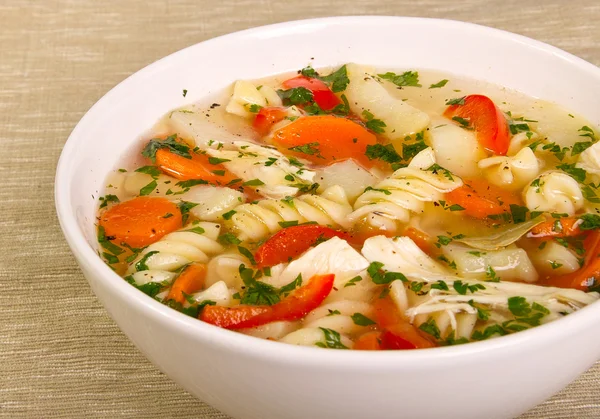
<point>61,356</point>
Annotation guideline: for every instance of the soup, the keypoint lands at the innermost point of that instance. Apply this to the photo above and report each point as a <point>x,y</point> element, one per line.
<point>361,208</point>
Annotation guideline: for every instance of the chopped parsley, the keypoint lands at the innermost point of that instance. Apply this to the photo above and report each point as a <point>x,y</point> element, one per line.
<point>253,182</point>
<point>361,320</point>
<point>431,327</point>
<point>457,101</point>
<point>170,143</point>
<point>310,148</point>
<point>518,213</point>
<point>465,123</point>
<point>108,199</point>
<point>185,207</point>
<point>408,78</point>
<point>295,96</point>
<point>185,184</point>
<point>338,80</point>
<point>286,289</point>
<point>228,238</point>
<point>286,224</point>
<point>576,173</point>
<point>254,108</point>
<point>332,339</point>
<point>462,288</point>
<point>383,191</point>
<point>142,264</point>
<point>149,188</point>
<point>439,84</point>
<point>216,160</point>
<point>352,282</point>
<point>590,222</point>
<point>375,125</point>
<point>385,153</point>
<point>380,277</point>
<point>149,170</point>
<point>229,214</point>
<point>490,274</point>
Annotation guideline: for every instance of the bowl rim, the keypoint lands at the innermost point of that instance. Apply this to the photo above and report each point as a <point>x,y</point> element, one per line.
<point>276,351</point>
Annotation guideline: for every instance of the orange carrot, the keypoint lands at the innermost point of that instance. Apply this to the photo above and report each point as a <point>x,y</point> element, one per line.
<point>421,239</point>
<point>190,280</point>
<point>398,333</point>
<point>323,139</point>
<point>563,227</point>
<point>481,199</point>
<point>140,221</point>
<point>370,341</point>
<point>198,167</point>
<point>386,312</point>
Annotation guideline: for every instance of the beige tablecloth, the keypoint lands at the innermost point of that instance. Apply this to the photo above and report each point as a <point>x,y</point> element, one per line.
<point>60,354</point>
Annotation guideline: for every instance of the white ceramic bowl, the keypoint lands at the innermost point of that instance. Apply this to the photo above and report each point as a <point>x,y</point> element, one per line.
<point>251,378</point>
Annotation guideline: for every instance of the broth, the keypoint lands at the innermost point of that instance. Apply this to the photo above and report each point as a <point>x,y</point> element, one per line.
<point>361,208</point>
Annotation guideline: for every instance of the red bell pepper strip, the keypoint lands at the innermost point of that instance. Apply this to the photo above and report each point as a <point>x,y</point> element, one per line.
<point>266,118</point>
<point>292,241</point>
<point>322,95</point>
<point>483,116</point>
<point>293,307</point>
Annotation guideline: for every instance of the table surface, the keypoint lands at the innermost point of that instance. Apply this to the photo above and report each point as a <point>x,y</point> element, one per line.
<point>60,353</point>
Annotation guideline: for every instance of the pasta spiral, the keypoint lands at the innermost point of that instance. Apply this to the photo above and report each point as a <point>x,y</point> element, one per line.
<point>404,192</point>
<point>157,262</point>
<point>554,191</point>
<point>511,172</point>
<point>256,221</point>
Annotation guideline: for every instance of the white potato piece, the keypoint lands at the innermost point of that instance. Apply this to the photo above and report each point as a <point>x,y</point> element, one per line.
<point>554,191</point>
<point>196,129</point>
<point>509,264</point>
<point>589,160</point>
<point>212,202</point>
<point>456,148</point>
<point>365,93</point>
<point>245,94</point>
<point>134,182</point>
<point>347,174</point>
<point>554,259</point>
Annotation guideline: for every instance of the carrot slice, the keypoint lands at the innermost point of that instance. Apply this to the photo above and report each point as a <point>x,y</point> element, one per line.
<point>386,312</point>
<point>323,139</point>
<point>198,167</point>
<point>297,305</point>
<point>482,115</point>
<point>563,227</point>
<point>481,199</point>
<point>421,239</point>
<point>140,221</point>
<point>190,280</point>
<point>370,341</point>
<point>397,332</point>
